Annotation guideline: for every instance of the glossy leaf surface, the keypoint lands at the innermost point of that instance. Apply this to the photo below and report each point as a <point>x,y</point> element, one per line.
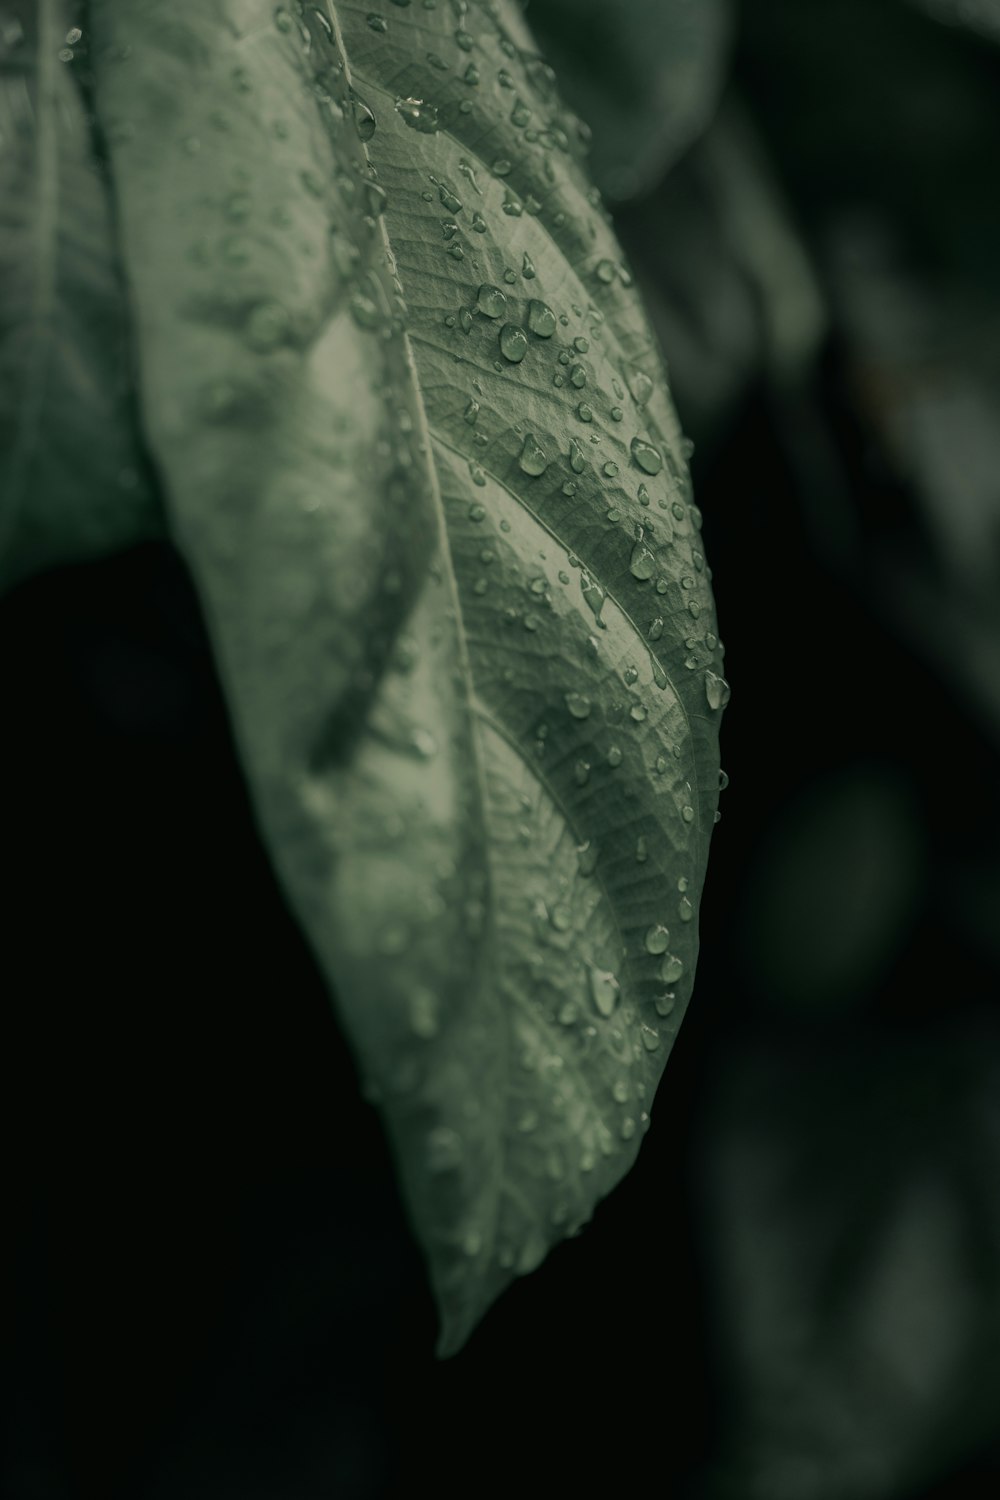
<point>417,446</point>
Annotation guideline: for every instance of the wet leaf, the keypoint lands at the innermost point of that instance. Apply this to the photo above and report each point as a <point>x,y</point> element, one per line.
<point>478,734</point>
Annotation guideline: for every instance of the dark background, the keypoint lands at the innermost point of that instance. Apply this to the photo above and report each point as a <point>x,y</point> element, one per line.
<point>212,1291</point>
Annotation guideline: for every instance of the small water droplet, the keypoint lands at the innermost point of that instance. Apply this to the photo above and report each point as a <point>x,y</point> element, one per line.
<point>513,343</point>
<point>665,1003</point>
<point>444,1149</point>
<point>642,563</point>
<point>614,756</point>
<point>604,989</point>
<point>423,1007</point>
<point>627,1128</point>
<point>687,813</point>
<point>717,690</point>
<point>568,1013</point>
<point>641,387</point>
<point>650,1038</point>
<point>605,271</point>
<point>657,939</point>
<point>418,114</point>
<point>377,22</point>
<point>581,772</point>
<point>578,705</point>
<point>641,850</point>
<point>527,267</point>
<point>685,909</point>
<point>532,457</point>
<point>584,412</point>
<point>671,969</point>
<point>586,857</point>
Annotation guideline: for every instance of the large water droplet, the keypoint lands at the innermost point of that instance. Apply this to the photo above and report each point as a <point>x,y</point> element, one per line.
<point>513,343</point>
<point>671,969</point>
<point>604,989</point>
<point>649,459</point>
<point>532,458</point>
<point>364,119</point>
<point>541,319</point>
<point>717,690</point>
<point>491,301</point>
<point>657,939</point>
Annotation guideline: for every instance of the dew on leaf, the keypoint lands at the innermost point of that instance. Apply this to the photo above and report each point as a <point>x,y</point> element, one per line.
<point>578,705</point>
<point>584,412</point>
<point>472,411</point>
<point>527,267</point>
<point>578,376</point>
<point>649,459</point>
<point>541,319</point>
<point>376,22</point>
<point>513,344</point>
<point>665,1003</point>
<point>642,563</point>
<point>604,989</point>
<point>684,909</point>
<point>577,457</point>
<point>605,271</point>
<point>581,772</point>
<point>491,301</point>
<point>687,813</point>
<point>657,939</point>
<point>671,969</point>
<point>614,756</point>
<point>418,114</point>
<point>364,120</point>
<point>444,1149</point>
<point>717,690</point>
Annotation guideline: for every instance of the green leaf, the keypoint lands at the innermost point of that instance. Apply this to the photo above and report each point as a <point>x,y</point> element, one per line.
<point>72,481</point>
<point>645,75</point>
<point>418,449</point>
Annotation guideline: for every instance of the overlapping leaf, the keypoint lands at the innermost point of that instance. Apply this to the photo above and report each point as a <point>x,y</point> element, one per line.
<point>417,446</point>
<point>72,481</point>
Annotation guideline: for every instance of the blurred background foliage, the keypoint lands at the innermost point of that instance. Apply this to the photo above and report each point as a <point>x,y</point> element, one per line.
<point>796,1293</point>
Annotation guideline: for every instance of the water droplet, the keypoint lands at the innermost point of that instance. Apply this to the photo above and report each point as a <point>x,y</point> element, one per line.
<point>586,857</point>
<point>513,344</point>
<point>491,301</point>
<point>568,1013</point>
<point>472,412</point>
<point>527,266</point>
<point>611,469</point>
<point>642,564</point>
<point>593,596</point>
<point>364,120</point>
<point>541,319</point>
<point>665,1003</point>
<point>637,712</point>
<point>605,271</point>
<point>418,115</point>
<point>581,772</point>
<point>578,705</point>
<point>578,377</point>
<point>532,458</point>
<point>423,1007</point>
<point>657,939</point>
<point>649,459</point>
<point>604,989</point>
<point>687,813</point>
<point>614,756</point>
<point>650,1038</point>
<point>641,850</point>
<point>723,780</point>
<point>671,969</point>
<point>685,909</point>
<point>282,19</point>
<point>717,690</point>
<point>641,387</point>
<point>444,1149</point>
<point>627,1128</point>
<point>377,22</point>
<point>584,412</point>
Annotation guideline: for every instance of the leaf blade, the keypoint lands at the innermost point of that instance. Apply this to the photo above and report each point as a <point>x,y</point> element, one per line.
<point>402,609</point>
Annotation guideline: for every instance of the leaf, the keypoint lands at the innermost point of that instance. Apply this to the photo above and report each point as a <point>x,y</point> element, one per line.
<point>646,76</point>
<point>982,16</point>
<point>418,450</point>
<point>72,484</point>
